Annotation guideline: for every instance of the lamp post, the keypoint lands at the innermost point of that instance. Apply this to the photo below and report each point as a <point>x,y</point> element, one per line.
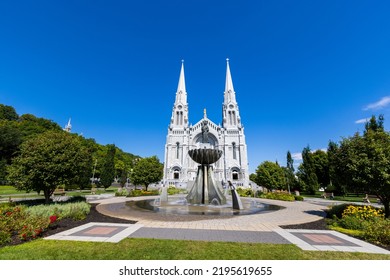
<point>93,177</point>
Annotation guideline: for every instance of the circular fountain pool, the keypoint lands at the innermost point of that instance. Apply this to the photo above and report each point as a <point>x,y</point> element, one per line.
<point>179,206</point>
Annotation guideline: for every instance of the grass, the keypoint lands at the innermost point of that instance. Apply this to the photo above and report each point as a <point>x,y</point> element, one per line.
<point>7,192</point>
<point>348,198</point>
<point>155,249</point>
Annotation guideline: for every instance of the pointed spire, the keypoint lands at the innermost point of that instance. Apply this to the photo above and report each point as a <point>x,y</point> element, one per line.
<point>229,81</point>
<point>68,127</point>
<point>182,83</point>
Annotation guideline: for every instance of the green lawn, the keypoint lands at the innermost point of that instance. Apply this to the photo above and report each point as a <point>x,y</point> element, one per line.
<point>154,249</point>
<point>7,192</point>
<point>349,198</point>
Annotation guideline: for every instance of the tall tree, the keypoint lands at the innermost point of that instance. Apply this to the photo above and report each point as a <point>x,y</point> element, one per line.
<point>337,169</point>
<point>307,173</point>
<point>321,167</point>
<point>107,174</point>
<point>289,170</point>
<point>147,171</point>
<point>49,160</point>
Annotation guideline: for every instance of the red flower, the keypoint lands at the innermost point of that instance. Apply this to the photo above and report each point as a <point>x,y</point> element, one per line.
<point>8,213</point>
<point>53,219</point>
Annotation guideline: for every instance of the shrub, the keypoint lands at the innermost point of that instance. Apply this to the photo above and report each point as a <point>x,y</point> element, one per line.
<point>337,210</point>
<point>351,222</point>
<point>365,212</point>
<point>378,231</point>
<point>75,211</point>
<point>279,196</point>
<point>368,222</point>
<point>244,192</point>
<point>298,197</point>
<point>123,192</point>
<point>15,220</point>
<point>173,190</point>
<point>134,193</point>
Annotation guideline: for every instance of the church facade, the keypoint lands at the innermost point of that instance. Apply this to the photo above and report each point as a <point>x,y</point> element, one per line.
<point>179,168</point>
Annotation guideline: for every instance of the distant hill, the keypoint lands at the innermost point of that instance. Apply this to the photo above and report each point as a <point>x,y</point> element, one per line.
<point>15,129</point>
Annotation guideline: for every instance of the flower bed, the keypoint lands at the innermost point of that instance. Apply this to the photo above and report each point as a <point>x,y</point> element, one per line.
<point>366,222</point>
<point>28,223</point>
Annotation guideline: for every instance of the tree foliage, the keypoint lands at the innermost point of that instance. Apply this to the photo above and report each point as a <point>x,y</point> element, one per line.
<point>147,171</point>
<point>306,172</point>
<point>290,175</point>
<point>15,129</point>
<point>8,113</point>
<point>321,167</point>
<point>270,175</point>
<point>49,160</point>
<point>361,163</point>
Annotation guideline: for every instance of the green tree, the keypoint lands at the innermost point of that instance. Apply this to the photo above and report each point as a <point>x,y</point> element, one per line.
<point>8,113</point>
<point>321,167</point>
<point>338,182</point>
<point>147,171</point>
<point>10,139</point>
<point>49,160</point>
<point>289,171</point>
<point>31,126</point>
<point>107,174</point>
<point>361,163</point>
<point>270,175</point>
<point>306,172</point>
<point>252,177</point>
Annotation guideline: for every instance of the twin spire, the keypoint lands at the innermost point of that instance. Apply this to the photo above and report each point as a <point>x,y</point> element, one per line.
<point>181,87</point>
<point>230,108</point>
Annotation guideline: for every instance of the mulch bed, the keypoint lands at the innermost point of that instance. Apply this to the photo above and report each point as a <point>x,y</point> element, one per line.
<point>317,225</point>
<point>66,224</point>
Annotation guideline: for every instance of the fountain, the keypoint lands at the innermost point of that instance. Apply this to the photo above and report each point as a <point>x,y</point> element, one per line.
<point>206,196</point>
<point>205,188</point>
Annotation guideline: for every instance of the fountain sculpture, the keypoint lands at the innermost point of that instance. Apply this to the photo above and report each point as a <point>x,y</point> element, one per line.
<point>205,189</point>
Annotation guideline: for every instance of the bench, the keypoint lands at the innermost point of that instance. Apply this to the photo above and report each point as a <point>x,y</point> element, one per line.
<point>326,195</point>
<point>59,191</point>
<point>370,197</point>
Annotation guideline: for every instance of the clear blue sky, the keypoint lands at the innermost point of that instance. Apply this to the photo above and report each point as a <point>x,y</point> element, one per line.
<point>305,72</point>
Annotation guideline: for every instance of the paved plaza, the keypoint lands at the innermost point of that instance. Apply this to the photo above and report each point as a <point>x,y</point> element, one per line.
<point>258,228</point>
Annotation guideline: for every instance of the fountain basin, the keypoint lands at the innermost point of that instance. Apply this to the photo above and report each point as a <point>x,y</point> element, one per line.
<point>179,206</point>
<point>205,156</point>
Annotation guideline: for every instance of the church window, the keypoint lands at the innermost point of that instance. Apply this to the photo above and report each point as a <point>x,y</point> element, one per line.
<point>177,149</point>
<point>234,150</point>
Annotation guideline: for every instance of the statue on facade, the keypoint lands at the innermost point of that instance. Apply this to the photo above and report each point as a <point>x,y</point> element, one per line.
<point>205,132</point>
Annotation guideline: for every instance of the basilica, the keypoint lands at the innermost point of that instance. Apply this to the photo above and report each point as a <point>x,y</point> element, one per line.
<point>179,168</point>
